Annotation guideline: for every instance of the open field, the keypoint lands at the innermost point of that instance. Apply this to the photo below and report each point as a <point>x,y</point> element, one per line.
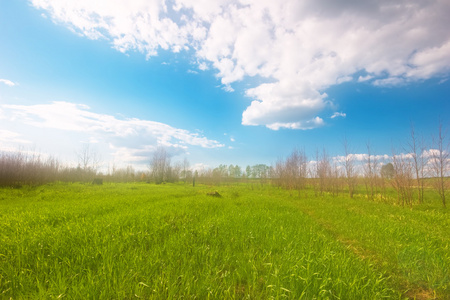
<point>137,240</point>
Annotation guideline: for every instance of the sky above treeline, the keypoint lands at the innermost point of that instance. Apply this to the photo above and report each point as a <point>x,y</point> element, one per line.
<point>220,82</point>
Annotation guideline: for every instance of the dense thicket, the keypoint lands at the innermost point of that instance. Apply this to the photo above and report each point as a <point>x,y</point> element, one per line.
<point>18,168</point>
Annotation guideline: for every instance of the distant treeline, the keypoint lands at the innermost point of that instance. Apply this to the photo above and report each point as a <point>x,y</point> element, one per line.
<point>22,168</point>
<point>409,172</point>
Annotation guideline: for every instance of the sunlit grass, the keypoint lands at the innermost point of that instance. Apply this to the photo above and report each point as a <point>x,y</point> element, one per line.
<point>121,241</point>
<point>413,245</point>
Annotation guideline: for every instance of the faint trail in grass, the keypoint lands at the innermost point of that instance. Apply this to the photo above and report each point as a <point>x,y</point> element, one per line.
<point>332,225</point>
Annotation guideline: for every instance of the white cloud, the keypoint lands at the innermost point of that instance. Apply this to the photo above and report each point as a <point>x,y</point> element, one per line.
<point>129,138</point>
<point>200,167</point>
<point>431,153</point>
<point>300,47</point>
<point>364,78</point>
<point>310,124</point>
<point>431,61</point>
<point>344,79</point>
<point>282,105</point>
<point>338,114</point>
<point>228,88</point>
<point>391,81</point>
<point>7,82</point>
<point>361,157</point>
<point>7,136</point>
<point>93,140</point>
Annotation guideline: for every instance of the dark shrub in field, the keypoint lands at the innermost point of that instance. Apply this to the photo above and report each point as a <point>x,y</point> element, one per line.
<point>98,181</point>
<point>215,194</point>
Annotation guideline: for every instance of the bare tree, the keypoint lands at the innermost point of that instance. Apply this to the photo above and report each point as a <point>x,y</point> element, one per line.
<point>386,174</point>
<point>279,172</point>
<point>173,174</point>
<point>403,177</point>
<point>160,165</point>
<point>370,173</point>
<point>88,158</point>
<point>88,162</point>
<point>440,163</point>
<point>125,174</point>
<point>296,169</point>
<point>416,148</point>
<point>335,179</point>
<point>324,172</point>
<point>314,171</point>
<point>349,166</point>
<point>186,173</point>
<point>303,168</point>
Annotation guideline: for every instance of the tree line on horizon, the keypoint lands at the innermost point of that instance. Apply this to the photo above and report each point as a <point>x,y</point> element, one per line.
<point>409,171</point>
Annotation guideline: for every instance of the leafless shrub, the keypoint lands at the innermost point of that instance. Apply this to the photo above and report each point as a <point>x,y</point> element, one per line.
<point>126,174</point>
<point>440,163</point>
<point>416,147</point>
<point>349,167</point>
<point>22,168</point>
<point>323,172</point>
<point>160,168</point>
<point>88,161</point>
<point>403,177</point>
<point>371,173</point>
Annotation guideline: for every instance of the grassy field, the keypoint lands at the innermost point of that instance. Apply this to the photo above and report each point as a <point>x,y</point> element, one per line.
<point>137,240</point>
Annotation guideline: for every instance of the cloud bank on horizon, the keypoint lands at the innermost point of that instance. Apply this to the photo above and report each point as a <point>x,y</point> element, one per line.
<point>131,140</point>
<point>295,49</point>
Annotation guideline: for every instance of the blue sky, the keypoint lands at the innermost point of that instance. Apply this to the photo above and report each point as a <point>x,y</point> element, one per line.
<point>220,82</point>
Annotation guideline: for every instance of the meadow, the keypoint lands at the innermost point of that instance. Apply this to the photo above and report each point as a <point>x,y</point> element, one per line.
<point>172,241</point>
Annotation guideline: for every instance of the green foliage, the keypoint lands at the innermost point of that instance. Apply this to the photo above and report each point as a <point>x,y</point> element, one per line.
<point>387,171</point>
<point>121,241</point>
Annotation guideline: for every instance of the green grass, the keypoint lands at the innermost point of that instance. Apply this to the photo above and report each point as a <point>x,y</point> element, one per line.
<point>412,245</point>
<point>123,241</point>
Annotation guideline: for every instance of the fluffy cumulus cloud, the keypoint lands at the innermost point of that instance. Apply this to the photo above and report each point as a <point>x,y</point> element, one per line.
<point>297,49</point>
<point>129,139</point>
